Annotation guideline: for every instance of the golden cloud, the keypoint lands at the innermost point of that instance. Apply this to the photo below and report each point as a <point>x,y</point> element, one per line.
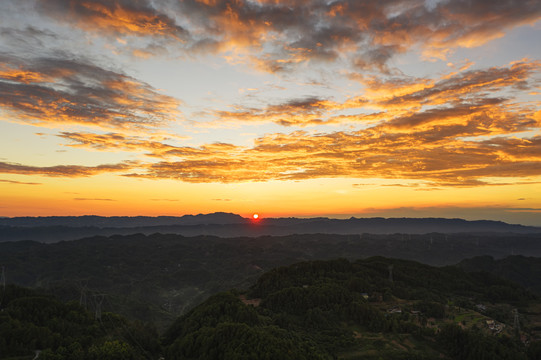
<point>404,102</point>
<point>443,159</point>
<point>362,154</point>
<point>19,182</point>
<point>114,17</point>
<point>64,170</point>
<point>46,91</point>
<point>457,130</point>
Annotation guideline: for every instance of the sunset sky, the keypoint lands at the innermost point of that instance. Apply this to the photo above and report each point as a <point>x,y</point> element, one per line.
<point>398,108</point>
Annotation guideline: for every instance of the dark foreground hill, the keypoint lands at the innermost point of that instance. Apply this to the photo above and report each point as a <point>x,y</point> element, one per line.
<point>34,325</point>
<point>54,229</point>
<point>158,277</point>
<point>376,308</point>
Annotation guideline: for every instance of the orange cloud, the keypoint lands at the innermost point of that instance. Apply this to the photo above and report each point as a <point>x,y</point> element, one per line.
<point>437,158</point>
<point>298,112</point>
<point>449,132</point>
<point>45,91</point>
<point>362,154</point>
<point>450,88</point>
<point>405,102</point>
<point>19,182</point>
<point>63,170</point>
<point>93,199</point>
<point>114,17</point>
<point>116,141</point>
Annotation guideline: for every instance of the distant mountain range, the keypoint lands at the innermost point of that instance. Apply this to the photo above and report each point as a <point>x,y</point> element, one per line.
<point>58,228</point>
<point>123,221</point>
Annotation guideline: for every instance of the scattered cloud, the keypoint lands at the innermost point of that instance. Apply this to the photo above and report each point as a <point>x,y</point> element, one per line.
<point>295,112</point>
<point>454,131</point>
<point>61,91</point>
<point>64,170</point>
<point>462,97</point>
<point>92,199</point>
<point>153,145</point>
<point>19,182</point>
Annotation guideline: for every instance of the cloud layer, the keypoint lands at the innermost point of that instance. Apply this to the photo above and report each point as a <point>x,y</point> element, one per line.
<point>455,130</point>
<point>279,35</point>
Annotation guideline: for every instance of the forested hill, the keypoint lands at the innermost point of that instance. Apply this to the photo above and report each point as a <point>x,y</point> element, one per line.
<point>520,269</point>
<point>54,229</point>
<point>376,308</point>
<point>122,221</point>
<point>37,326</point>
<point>158,277</point>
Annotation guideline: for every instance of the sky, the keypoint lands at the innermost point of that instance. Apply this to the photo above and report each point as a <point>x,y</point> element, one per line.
<point>398,108</point>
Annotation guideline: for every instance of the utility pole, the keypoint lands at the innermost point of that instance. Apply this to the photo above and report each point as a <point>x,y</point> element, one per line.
<point>391,273</point>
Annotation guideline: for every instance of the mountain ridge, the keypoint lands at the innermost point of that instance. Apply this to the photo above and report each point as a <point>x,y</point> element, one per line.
<point>53,229</point>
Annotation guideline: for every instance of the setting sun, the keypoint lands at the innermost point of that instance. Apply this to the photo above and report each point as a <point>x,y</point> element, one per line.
<point>255,216</point>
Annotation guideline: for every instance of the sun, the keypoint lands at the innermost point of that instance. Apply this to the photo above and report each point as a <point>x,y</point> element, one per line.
<point>255,216</point>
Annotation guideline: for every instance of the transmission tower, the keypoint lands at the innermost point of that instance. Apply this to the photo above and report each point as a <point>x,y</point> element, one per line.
<point>516,322</point>
<point>82,298</point>
<point>2,286</point>
<point>98,299</point>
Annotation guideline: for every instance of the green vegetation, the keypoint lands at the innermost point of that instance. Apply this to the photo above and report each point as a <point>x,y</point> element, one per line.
<point>155,278</point>
<point>375,308</point>
<point>31,321</point>
<point>523,270</point>
<point>322,307</point>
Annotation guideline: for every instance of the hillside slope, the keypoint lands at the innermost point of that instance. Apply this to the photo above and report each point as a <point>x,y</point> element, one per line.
<point>358,310</point>
<point>157,277</point>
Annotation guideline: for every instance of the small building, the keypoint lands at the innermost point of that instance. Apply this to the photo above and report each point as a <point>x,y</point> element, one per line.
<point>481,307</point>
<point>394,310</point>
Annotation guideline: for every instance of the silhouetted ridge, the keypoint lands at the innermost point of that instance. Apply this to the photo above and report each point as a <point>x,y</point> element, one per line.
<point>51,229</point>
